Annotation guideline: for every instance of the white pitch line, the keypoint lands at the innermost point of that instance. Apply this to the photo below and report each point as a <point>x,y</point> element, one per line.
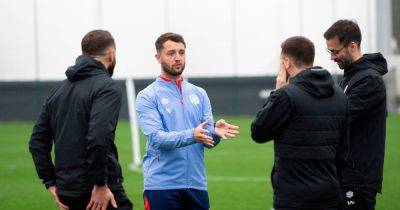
<point>237,178</point>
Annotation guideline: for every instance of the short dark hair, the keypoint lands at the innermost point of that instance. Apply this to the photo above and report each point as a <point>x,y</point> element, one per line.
<point>168,36</point>
<point>300,49</point>
<point>346,31</point>
<point>96,42</point>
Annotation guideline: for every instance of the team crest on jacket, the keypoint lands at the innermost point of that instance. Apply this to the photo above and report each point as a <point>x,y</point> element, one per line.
<point>194,99</point>
<point>349,194</point>
<point>164,101</point>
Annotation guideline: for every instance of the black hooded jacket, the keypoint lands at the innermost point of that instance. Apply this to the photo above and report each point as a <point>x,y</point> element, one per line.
<point>79,118</point>
<point>307,121</point>
<point>366,93</point>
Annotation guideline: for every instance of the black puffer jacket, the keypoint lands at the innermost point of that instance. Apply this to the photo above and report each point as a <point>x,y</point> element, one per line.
<point>307,120</point>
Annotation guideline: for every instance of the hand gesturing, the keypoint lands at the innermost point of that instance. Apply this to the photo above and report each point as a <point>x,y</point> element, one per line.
<point>225,130</point>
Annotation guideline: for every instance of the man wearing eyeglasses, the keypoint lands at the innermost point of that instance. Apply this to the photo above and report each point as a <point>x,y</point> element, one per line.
<point>363,84</point>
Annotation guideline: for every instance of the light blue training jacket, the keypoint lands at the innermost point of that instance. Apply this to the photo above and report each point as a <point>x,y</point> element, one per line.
<point>167,117</point>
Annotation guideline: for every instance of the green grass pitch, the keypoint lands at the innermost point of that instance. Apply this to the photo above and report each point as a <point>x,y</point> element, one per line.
<point>238,170</point>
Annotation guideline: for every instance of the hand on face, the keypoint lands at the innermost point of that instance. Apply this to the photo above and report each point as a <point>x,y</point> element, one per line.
<point>281,79</point>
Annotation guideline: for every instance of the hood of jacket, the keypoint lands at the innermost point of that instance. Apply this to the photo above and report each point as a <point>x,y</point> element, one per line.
<point>316,81</point>
<point>373,61</point>
<point>85,66</point>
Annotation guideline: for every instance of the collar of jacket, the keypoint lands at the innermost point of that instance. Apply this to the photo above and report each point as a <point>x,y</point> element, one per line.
<point>374,61</point>
<point>177,82</point>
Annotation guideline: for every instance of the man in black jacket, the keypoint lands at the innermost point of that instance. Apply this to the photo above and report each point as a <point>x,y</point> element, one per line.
<point>366,93</point>
<point>306,118</point>
<point>79,118</point>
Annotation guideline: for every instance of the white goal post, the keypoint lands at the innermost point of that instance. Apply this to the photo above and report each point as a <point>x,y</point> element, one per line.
<point>135,137</point>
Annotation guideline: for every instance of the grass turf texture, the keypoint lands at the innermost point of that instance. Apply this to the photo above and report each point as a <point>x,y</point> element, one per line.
<point>238,170</point>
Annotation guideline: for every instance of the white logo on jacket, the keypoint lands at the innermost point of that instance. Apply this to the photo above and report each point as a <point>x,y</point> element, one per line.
<point>164,101</point>
<point>194,99</point>
<point>349,194</point>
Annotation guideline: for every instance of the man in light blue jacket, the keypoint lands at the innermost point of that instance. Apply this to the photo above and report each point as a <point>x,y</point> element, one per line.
<point>176,118</point>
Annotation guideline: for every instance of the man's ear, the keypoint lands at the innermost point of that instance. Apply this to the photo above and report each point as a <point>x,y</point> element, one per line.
<point>110,55</point>
<point>158,57</point>
<point>353,46</point>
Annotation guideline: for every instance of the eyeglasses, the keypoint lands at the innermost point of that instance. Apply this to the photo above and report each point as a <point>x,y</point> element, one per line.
<point>336,52</point>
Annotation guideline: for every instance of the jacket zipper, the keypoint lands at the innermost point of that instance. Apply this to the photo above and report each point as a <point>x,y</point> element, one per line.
<point>180,93</point>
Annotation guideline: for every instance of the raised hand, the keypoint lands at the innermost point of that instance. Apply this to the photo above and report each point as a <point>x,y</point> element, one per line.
<point>225,130</point>
<point>281,79</point>
<point>200,135</point>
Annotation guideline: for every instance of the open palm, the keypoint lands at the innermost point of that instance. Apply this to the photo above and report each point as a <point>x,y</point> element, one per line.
<point>225,130</point>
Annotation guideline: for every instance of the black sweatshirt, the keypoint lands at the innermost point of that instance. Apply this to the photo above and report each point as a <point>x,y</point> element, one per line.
<point>79,118</point>
<point>366,93</point>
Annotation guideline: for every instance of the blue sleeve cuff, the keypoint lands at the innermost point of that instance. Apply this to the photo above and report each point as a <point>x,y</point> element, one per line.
<point>216,138</point>
<point>189,136</point>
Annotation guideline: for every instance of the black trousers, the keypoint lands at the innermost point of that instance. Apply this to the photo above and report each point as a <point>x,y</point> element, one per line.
<point>358,198</point>
<point>80,203</point>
